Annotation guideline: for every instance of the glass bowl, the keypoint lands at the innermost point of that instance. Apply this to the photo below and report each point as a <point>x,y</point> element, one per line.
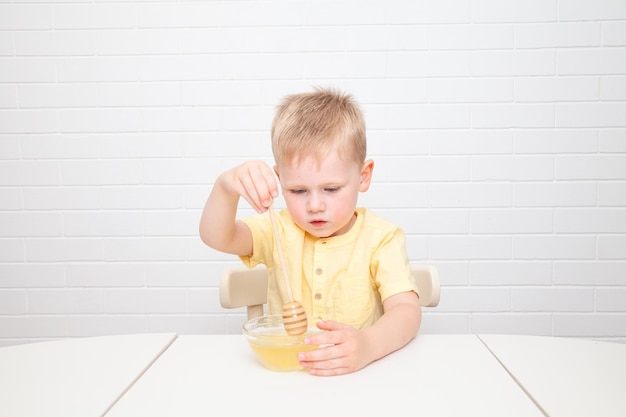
<point>275,349</point>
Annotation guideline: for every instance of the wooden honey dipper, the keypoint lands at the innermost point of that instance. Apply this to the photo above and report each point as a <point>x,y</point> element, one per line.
<point>294,316</point>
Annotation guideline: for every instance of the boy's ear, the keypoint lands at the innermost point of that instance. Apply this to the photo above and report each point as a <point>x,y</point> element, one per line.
<point>276,172</point>
<point>366,175</point>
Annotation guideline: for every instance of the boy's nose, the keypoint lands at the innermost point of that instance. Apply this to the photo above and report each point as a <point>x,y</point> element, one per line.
<point>315,204</point>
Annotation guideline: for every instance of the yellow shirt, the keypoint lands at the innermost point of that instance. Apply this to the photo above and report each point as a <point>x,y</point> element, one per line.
<point>342,278</point>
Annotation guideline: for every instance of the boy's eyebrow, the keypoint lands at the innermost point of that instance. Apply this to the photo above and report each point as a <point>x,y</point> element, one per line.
<point>324,185</point>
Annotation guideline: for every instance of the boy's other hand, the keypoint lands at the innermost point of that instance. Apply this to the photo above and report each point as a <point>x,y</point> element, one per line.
<point>344,350</point>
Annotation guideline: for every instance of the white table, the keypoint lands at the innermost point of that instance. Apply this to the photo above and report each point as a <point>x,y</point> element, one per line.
<point>566,377</point>
<point>74,377</point>
<point>435,375</point>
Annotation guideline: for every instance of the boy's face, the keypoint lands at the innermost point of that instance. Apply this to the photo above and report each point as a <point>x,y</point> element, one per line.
<point>322,197</point>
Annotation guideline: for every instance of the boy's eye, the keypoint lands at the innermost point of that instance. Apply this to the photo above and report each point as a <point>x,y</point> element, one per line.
<point>297,191</point>
<point>331,189</point>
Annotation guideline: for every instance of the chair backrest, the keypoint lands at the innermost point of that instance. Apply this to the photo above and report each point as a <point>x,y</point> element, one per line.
<point>244,287</point>
<point>427,280</point>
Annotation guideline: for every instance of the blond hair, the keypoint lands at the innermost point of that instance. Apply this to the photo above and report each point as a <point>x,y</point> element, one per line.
<point>316,123</point>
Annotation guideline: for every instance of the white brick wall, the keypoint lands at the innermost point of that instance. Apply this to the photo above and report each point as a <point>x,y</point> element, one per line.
<point>498,128</point>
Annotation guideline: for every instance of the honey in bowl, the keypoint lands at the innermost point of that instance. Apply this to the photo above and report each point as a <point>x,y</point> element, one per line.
<point>279,358</point>
<point>275,349</point>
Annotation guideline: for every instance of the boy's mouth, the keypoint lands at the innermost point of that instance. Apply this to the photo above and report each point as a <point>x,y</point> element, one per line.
<point>318,223</point>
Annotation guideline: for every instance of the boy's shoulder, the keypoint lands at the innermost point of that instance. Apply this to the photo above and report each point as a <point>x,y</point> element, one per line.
<point>374,220</point>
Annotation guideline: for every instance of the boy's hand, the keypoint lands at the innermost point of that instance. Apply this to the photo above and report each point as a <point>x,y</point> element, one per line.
<point>346,351</point>
<point>252,180</point>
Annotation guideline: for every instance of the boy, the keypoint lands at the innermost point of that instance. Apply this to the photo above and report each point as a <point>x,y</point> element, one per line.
<point>346,265</point>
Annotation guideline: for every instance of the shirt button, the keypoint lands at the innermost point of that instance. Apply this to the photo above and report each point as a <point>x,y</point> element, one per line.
<point>319,271</point>
<point>318,296</point>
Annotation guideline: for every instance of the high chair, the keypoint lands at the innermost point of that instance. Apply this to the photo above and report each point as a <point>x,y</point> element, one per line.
<point>244,287</point>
